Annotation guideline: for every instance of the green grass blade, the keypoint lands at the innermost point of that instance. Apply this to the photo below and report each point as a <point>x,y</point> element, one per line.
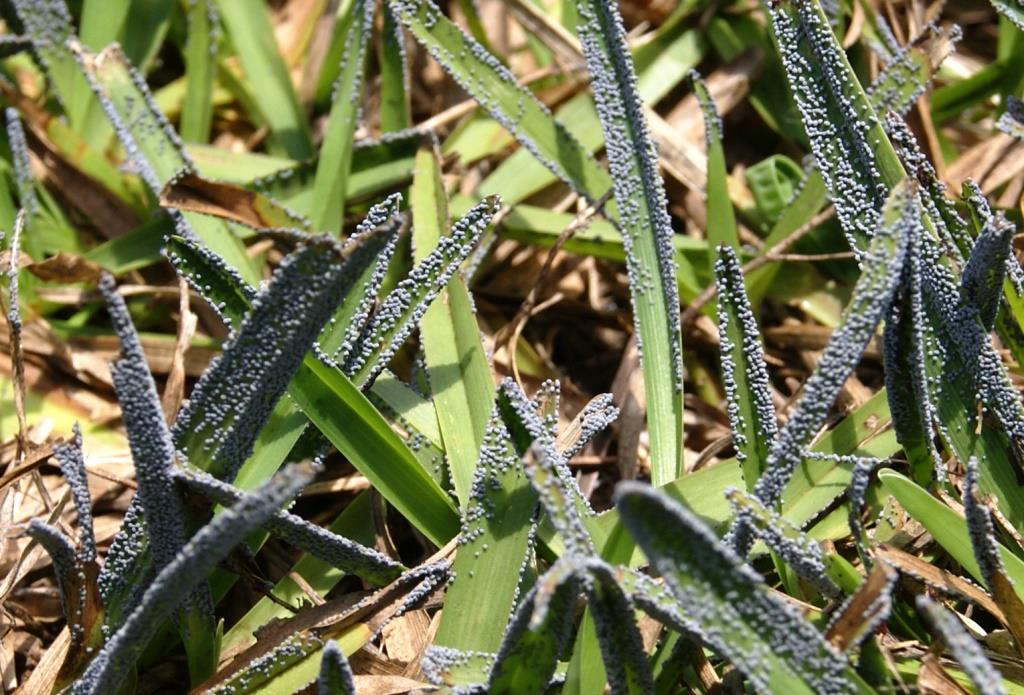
<point>646,230</point>
<point>744,372</point>
<point>200,70</point>
<point>153,147</point>
<point>335,156</point>
<point>333,403</point>
<point>947,527</point>
<point>537,633</point>
<point>721,220</point>
<point>395,110</point>
<point>460,378</point>
<point>49,24</point>
<point>727,604</point>
<point>249,29</point>
<point>521,175</point>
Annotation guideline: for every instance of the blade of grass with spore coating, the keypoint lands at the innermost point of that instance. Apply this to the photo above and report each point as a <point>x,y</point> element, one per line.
<point>951,376</point>
<point>340,410</point>
<point>963,646</point>
<point>537,633</point>
<point>340,552</point>
<point>721,220</point>
<point>152,145</point>
<point>252,37</point>
<point>495,88</point>
<point>646,230</point>
<point>200,70</point>
<point>858,164</point>
<point>494,549</point>
<point>460,378</point>
<point>882,267</point>
<point>403,307</point>
<point>520,175</point>
<point>1012,121</point>
<point>335,156</point>
<point>794,547</point>
<point>1013,10</point>
<point>49,24</point>
<point>744,372</point>
<point>335,673</point>
<point>196,560</point>
<point>728,604</point>
<point>376,167</point>
<point>354,523</point>
<point>233,399</point>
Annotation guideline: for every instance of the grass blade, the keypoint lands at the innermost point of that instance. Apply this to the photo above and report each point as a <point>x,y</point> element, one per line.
<point>906,378</point>
<point>537,633</point>
<point>646,230</point>
<point>493,549</point>
<point>621,647</point>
<point>339,552</point>
<point>148,436</point>
<point>233,399</point>
<point>152,146</point>
<point>1012,122</point>
<point>335,156</point>
<point>744,372</point>
<point>721,220</point>
<point>395,109</point>
<point>727,604</point>
<point>170,587</point>
<point>850,149</point>
<point>948,528</point>
<point>495,88</point>
<point>333,403</point>
<point>249,29</point>
<point>1013,10</point>
<point>335,673</point>
<point>460,378</point>
<point>402,309</point>
<point>200,70</point>
<point>883,265</point>
<point>967,652</point>
<point>72,467</point>
<point>798,551</point>
<point>338,408</point>
<point>49,25</point>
